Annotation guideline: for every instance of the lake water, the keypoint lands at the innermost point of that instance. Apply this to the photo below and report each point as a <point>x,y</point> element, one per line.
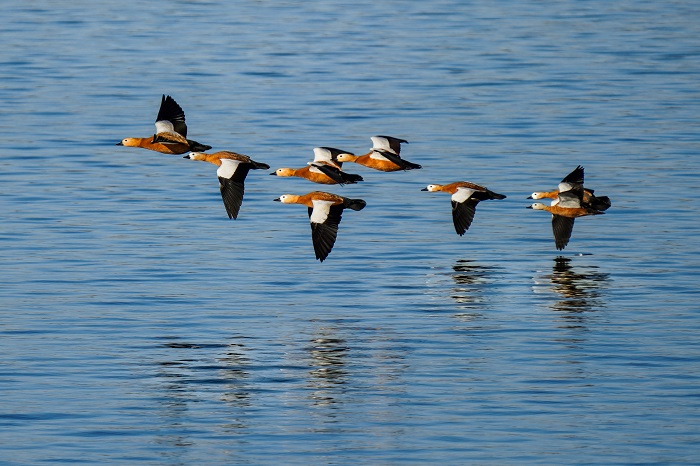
<point>138,324</point>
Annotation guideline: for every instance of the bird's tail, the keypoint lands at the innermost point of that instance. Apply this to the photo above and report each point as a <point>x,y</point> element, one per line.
<point>410,165</point>
<point>350,178</point>
<point>197,147</point>
<point>592,211</point>
<point>601,203</point>
<point>355,204</point>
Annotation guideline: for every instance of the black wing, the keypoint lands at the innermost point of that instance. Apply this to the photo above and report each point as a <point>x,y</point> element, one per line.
<point>575,177</point>
<point>404,164</point>
<point>331,172</point>
<point>171,111</point>
<point>232,189</point>
<point>323,235</point>
<point>463,214</point>
<point>337,175</point>
<point>562,228</point>
<point>232,195</point>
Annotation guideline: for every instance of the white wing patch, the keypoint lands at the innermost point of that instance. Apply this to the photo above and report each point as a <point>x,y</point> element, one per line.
<point>381,143</point>
<point>321,211</point>
<point>378,156</point>
<point>314,168</point>
<point>164,126</point>
<point>322,155</point>
<point>568,199</point>
<point>565,186</point>
<point>462,194</point>
<point>228,168</point>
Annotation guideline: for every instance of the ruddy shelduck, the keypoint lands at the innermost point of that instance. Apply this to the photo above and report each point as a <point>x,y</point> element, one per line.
<point>232,171</point>
<point>384,156</point>
<point>571,181</point>
<point>324,169</point>
<point>465,197</point>
<point>171,132</point>
<point>325,211</point>
<point>568,206</point>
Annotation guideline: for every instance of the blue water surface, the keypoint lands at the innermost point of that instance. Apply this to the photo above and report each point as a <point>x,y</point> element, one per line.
<point>138,324</point>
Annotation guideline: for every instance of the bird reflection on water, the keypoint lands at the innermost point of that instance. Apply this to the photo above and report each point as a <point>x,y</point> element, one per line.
<point>328,373</point>
<point>581,289</point>
<point>471,283</point>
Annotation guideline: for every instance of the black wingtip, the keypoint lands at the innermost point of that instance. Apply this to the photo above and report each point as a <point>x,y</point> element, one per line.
<point>576,176</point>
<point>170,110</point>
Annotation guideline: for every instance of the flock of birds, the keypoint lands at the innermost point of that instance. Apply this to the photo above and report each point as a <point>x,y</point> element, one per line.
<point>569,201</point>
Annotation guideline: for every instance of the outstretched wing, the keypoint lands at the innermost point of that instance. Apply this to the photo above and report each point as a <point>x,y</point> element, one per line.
<point>172,112</point>
<point>232,195</point>
<point>232,175</point>
<point>388,143</point>
<point>572,180</point>
<point>562,228</point>
<point>463,214</point>
<point>324,218</point>
<point>329,155</point>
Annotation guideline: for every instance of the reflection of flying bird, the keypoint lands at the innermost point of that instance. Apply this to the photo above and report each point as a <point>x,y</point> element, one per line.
<point>578,290</point>
<point>465,197</point>
<point>325,168</point>
<point>572,181</point>
<point>171,132</point>
<point>565,209</point>
<point>232,171</point>
<point>384,155</point>
<point>325,211</point>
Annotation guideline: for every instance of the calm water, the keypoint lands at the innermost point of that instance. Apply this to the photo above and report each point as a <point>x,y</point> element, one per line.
<point>139,325</point>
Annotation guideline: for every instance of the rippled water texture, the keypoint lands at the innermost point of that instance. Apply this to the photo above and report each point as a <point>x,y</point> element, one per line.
<point>139,324</point>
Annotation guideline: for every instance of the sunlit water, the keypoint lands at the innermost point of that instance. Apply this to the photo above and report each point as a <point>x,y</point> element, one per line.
<point>139,324</point>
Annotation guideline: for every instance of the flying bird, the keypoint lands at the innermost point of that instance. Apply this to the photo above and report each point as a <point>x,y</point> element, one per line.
<point>566,208</point>
<point>171,132</point>
<point>324,169</point>
<point>232,171</point>
<point>571,181</point>
<point>325,212</point>
<point>384,155</point>
<point>465,197</point>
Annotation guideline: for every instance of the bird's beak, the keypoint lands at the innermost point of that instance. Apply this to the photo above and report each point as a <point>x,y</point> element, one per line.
<point>529,197</point>
<point>424,189</point>
<point>278,200</point>
<point>529,207</point>
<point>119,144</point>
<point>187,156</point>
<point>274,174</point>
